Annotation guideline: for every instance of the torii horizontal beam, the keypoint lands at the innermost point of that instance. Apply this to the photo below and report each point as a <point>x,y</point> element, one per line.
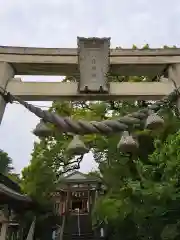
<point>64,61</point>
<point>49,91</point>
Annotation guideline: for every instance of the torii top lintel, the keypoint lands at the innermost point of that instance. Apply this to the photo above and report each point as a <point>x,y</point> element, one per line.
<point>64,61</point>
<point>90,64</point>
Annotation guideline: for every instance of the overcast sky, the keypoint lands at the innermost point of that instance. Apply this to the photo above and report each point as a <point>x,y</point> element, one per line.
<point>57,23</point>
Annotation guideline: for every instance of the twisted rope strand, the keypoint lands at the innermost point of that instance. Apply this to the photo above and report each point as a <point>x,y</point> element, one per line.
<point>105,127</point>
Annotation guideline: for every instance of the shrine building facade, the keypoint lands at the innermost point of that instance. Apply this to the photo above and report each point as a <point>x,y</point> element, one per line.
<point>76,193</point>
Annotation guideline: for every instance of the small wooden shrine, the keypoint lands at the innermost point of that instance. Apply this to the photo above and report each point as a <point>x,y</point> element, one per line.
<point>76,193</point>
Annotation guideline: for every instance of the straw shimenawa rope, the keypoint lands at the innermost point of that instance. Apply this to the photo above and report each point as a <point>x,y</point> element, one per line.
<point>81,127</point>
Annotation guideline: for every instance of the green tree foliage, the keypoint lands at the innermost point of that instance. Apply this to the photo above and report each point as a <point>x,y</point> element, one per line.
<point>39,177</point>
<point>151,204</point>
<point>5,163</point>
<point>15,177</point>
<point>6,167</point>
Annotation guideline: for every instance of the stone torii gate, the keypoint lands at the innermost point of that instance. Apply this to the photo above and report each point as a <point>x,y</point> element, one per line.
<point>89,64</point>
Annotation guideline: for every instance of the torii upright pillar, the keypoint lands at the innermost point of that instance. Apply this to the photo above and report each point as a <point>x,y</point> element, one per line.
<point>174,76</point>
<point>6,74</point>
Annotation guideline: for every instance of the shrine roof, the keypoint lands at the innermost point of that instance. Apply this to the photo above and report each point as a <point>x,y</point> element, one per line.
<point>4,190</point>
<point>11,190</point>
<point>79,177</point>
<point>9,183</point>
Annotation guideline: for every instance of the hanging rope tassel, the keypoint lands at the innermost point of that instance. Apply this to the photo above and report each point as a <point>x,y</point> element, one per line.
<point>77,147</point>
<point>153,121</point>
<point>127,143</point>
<point>42,130</point>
